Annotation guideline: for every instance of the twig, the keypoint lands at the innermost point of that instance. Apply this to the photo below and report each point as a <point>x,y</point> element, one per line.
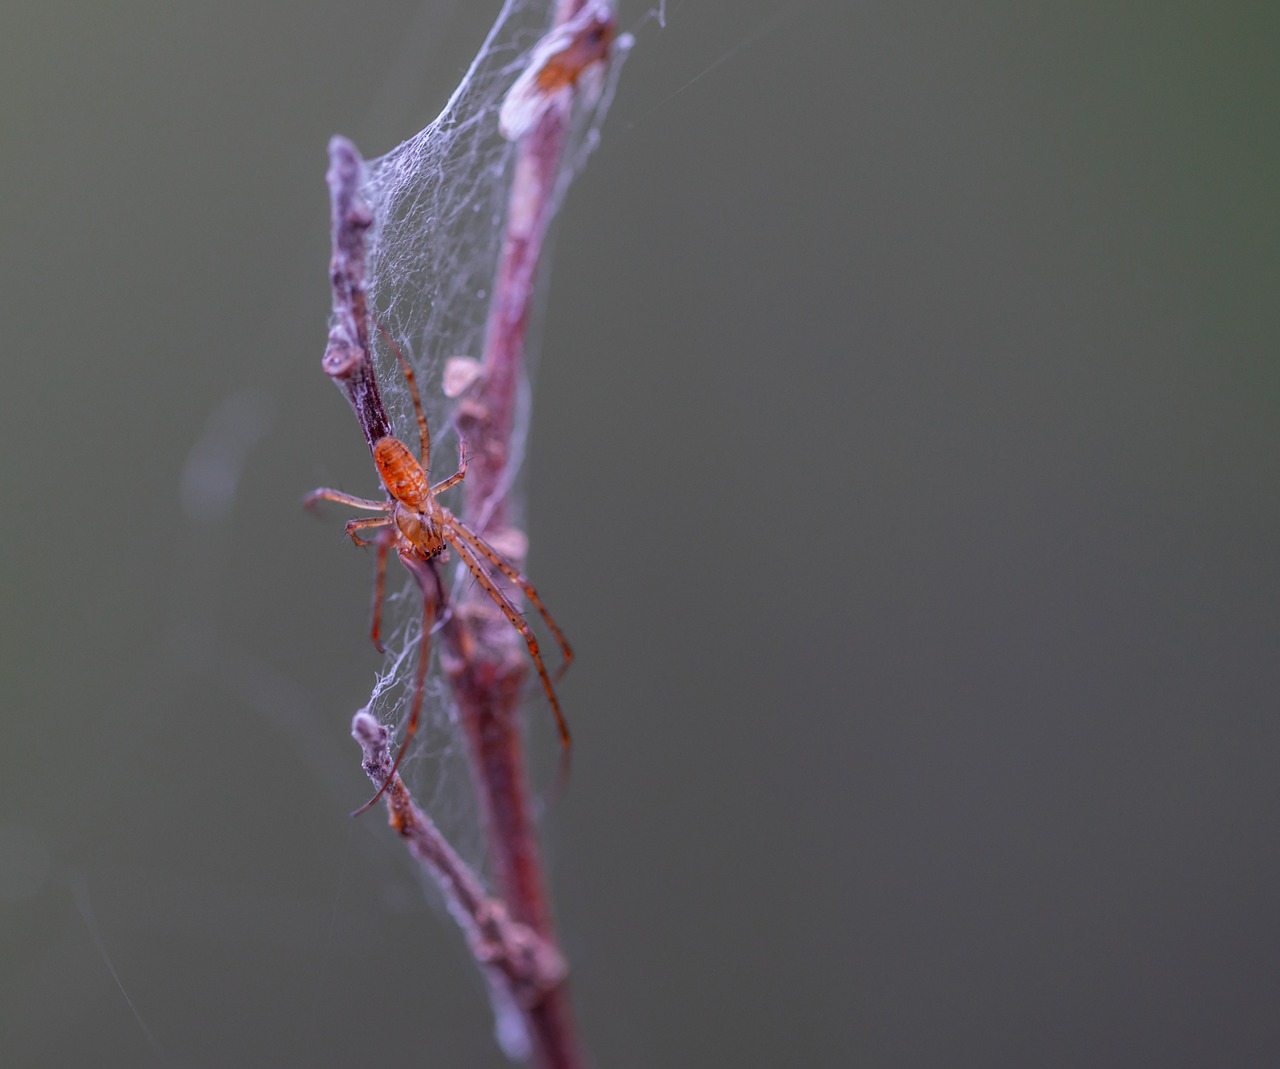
<point>487,664</point>
<point>527,964</point>
<point>346,358</point>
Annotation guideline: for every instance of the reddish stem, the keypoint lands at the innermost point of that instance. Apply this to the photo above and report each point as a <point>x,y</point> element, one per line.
<point>489,678</point>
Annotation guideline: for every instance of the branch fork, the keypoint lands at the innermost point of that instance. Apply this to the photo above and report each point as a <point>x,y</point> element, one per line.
<point>530,966</point>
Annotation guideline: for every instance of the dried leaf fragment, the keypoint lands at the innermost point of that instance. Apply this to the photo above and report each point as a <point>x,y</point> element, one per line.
<point>557,63</point>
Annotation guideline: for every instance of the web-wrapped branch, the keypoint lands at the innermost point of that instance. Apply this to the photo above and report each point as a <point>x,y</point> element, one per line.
<point>437,254</point>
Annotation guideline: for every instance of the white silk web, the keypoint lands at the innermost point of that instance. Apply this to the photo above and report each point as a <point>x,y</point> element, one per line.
<point>439,202</point>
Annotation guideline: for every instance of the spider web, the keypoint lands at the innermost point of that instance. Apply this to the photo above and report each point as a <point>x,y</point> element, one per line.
<point>439,202</point>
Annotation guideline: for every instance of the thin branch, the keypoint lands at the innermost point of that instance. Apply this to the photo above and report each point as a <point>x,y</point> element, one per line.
<point>489,686</point>
<point>347,359</point>
<point>528,965</point>
<point>486,661</point>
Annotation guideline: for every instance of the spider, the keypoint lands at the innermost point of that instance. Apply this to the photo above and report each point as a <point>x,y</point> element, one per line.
<point>420,528</point>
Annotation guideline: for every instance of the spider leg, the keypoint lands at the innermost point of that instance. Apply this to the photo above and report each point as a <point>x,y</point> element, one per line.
<point>423,434</point>
<point>517,621</point>
<point>419,686</point>
<point>383,542</point>
<point>458,475</point>
<point>509,570</point>
<point>355,525</point>
<point>325,494</point>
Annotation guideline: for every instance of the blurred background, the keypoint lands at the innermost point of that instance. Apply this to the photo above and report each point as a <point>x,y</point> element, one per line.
<point>903,466</point>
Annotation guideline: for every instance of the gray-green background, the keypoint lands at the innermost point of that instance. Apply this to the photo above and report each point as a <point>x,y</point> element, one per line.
<point>904,466</point>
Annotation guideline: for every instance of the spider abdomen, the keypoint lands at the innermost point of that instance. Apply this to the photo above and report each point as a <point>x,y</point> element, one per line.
<point>401,473</point>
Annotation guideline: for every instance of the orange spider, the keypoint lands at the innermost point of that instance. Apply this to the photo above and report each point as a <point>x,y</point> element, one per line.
<point>420,527</point>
